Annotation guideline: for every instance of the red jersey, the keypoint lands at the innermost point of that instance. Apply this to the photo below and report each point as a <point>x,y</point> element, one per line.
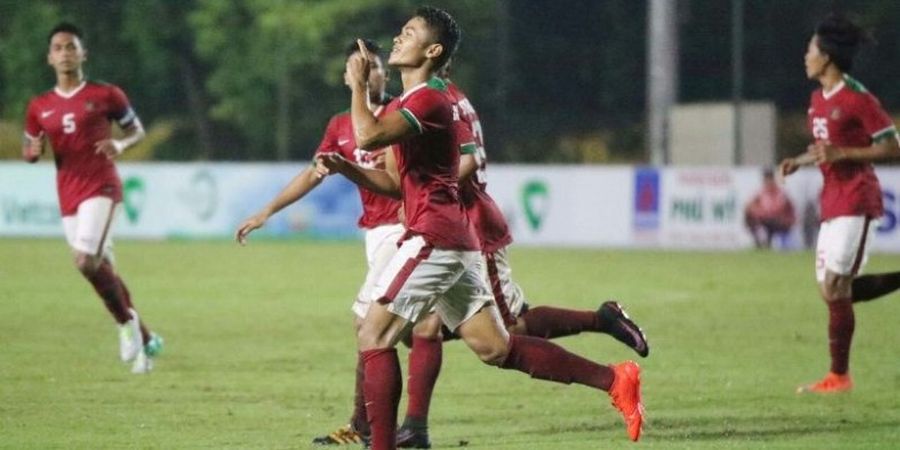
<point>428,163</point>
<point>73,123</point>
<point>339,138</point>
<point>849,116</point>
<point>490,225</point>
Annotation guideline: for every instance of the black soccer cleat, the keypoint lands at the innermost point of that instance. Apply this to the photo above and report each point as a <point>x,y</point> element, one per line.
<point>408,437</point>
<point>621,327</point>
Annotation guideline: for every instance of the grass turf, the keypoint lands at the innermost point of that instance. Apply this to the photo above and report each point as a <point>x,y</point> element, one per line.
<point>260,353</point>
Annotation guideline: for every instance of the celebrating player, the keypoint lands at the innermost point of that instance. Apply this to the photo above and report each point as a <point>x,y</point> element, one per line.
<point>75,117</point>
<point>850,130</point>
<point>438,262</point>
<point>493,234</point>
<point>379,218</point>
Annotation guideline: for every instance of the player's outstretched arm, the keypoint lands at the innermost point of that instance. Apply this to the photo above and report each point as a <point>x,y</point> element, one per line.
<point>298,187</point>
<point>112,148</point>
<point>32,148</point>
<point>385,182</point>
<point>885,148</point>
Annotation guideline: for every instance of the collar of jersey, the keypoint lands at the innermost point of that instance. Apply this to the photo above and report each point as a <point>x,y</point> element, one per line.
<point>413,89</point>
<point>834,90</point>
<point>69,94</point>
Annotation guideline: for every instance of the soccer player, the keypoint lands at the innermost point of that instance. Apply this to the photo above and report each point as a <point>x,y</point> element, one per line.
<point>379,218</point>
<point>493,234</point>
<point>75,117</point>
<point>850,130</point>
<point>438,262</point>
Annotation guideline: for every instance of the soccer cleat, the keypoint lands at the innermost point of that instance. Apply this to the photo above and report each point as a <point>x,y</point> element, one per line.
<point>408,437</point>
<point>831,384</point>
<point>130,341</point>
<point>623,328</point>
<point>142,363</point>
<point>626,396</point>
<point>154,346</point>
<point>343,436</point>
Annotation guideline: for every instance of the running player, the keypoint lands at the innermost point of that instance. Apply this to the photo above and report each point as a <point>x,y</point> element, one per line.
<point>379,218</point>
<point>438,262</point>
<point>850,130</point>
<point>493,233</point>
<point>75,117</point>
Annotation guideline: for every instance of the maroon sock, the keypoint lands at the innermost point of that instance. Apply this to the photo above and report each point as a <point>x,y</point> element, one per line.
<point>359,421</point>
<point>145,333</point>
<point>382,387</point>
<point>548,322</point>
<point>543,359</point>
<point>106,284</point>
<point>840,333</point>
<point>424,367</point>
<point>870,287</point>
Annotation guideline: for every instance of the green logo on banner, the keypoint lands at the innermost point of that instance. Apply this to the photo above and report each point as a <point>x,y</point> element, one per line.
<point>535,202</point>
<point>135,195</point>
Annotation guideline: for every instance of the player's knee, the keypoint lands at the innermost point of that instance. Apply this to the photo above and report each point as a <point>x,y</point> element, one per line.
<point>87,264</point>
<point>492,352</point>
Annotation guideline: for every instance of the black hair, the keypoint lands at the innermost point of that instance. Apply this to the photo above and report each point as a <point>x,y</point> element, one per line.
<point>371,46</point>
<point>65,27</point>
<point>445,29</point>
<point>840,39</point>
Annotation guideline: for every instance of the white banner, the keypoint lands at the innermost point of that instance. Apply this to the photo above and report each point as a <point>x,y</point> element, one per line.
<point>585,206</point>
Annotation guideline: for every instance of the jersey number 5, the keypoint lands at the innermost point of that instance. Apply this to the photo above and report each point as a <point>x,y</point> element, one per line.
<point>68,122</point>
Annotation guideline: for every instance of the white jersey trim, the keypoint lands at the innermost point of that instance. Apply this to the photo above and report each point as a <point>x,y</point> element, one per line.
<point>884,130</point>
<point>834,90</point>
<point>413,89</point>
<point>68,95</point>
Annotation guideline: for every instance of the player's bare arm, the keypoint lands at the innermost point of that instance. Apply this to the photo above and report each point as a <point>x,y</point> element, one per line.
<point>468,164</point>
<point>385,182</point>
<point>112,148</point>
<point>32,148</point>
<point>371,132</point>
<point>884,148</point>
<point>298,187</point>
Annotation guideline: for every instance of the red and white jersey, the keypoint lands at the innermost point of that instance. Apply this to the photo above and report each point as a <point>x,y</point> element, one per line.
<point>849,116</point>
<point>490,225</point>
<point>73,123</point>
<point>428,163</point>
<point>339,137</point>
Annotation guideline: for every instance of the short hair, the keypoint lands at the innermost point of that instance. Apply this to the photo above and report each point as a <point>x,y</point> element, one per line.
<point>65,27</point>
<point>840,39</point>
<point>445,29</point>
<point>371,46</point>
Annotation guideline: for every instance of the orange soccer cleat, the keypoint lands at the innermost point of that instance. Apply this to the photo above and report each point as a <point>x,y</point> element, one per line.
<point>831,384</point>
<point>626,396</point>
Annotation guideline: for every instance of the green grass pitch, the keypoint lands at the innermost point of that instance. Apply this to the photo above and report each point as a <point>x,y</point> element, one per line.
<point>260,353</point>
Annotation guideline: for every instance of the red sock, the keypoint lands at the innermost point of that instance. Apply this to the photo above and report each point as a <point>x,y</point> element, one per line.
<point>359,421</point>
<point>543,359</point>
<point>548,322</point>
<point>106,284</point>
<point>841,323</point>
<point>424,366</point>
<point>382,388</point>
<point>145,333</point>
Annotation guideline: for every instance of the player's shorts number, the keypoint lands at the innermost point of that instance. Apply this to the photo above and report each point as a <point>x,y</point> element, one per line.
<point>68,122</point>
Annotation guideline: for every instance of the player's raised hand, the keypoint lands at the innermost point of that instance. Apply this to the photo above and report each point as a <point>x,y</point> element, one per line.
<point>109,148</point>
<point>32,148</point>
<point>358,65</point>
<point>252,223</point>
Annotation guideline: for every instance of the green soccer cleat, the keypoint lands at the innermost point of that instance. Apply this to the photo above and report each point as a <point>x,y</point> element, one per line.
<point>154,347</point>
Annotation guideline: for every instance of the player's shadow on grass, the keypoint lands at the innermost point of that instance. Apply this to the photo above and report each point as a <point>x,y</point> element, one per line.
<point>753,428</point>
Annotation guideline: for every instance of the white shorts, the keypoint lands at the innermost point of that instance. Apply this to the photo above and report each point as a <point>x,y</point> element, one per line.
<point>420,277</point>
<point>507,294</point>
<point>89,230</point>
<point>843,246</point>
<point>381,246</point>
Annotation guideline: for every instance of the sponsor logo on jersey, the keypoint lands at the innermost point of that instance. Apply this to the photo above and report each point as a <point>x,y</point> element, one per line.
<point>46,114</point>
